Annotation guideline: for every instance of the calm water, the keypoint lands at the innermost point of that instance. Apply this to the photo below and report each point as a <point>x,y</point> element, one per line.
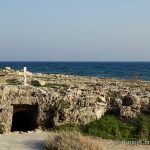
<point>121,70</point>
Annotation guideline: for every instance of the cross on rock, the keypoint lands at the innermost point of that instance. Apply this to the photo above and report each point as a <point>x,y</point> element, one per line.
<point>25,75</point>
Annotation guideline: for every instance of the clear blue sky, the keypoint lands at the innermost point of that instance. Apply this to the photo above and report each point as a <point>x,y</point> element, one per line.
<point>75,30</point>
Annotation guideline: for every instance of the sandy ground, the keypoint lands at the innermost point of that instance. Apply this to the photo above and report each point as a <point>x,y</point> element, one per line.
<point>35,141</point>
<point>25,141</point>
<point>111,145</point>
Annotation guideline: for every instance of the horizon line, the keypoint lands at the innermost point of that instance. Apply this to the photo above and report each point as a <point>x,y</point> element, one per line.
<point>72,61</point>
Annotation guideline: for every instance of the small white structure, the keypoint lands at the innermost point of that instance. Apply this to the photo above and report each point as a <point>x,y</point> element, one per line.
<point>25,75</point>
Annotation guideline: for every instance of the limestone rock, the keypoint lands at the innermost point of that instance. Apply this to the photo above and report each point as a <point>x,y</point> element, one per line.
<point>84,100</point>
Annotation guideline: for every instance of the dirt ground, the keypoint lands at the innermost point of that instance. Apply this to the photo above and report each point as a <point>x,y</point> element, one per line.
<point>35,141</point>
<point>112,145</point>
<point>24,141</point>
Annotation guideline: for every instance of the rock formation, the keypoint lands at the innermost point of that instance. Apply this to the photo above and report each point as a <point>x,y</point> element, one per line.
<point>64,99</point>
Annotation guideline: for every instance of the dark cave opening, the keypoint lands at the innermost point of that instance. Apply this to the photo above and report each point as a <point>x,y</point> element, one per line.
<point>127,101</point>
<point>24,118</point>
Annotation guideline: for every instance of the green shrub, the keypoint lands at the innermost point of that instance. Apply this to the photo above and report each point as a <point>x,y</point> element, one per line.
<point>13,82</point>
<point>68,127</point>
<point>144,127</point>
<point>106,127</point>
<point>111,127</point>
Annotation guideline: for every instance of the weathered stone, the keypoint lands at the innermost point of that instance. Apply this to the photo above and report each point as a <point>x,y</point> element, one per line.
<point>8,68</point>
<point>84,100</point>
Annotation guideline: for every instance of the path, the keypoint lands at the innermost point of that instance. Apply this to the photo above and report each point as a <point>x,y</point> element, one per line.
<point>25,141</point>
<point>35,141</point>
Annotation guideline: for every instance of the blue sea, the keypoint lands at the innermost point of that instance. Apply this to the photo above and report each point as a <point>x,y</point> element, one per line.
<point>119,70</point>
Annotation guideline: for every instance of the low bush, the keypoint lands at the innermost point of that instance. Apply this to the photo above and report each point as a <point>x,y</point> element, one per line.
<point>70,141</point>
<point>115,128</point>
<point>13,82</point>
<point>112,127</point>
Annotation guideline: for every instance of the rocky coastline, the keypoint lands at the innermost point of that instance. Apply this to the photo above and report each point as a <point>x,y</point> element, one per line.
<point>61,99</point>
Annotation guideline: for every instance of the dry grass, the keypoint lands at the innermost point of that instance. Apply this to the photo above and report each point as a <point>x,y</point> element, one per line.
<point>71,141</point>
<point>2,80</point>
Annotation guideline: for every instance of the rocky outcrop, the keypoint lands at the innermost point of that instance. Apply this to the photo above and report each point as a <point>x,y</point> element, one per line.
<point>70,99</point>
<point>54,108</point>
<point>37,83</point>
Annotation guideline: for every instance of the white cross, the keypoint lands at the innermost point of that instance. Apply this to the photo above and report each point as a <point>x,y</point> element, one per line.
<point>25,75</point>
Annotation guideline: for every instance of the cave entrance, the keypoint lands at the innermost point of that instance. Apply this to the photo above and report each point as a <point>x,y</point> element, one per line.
<point>24,118</point>
<point>127,101</point>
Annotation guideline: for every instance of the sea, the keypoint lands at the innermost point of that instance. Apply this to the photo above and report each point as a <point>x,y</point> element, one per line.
<point>117,70</point>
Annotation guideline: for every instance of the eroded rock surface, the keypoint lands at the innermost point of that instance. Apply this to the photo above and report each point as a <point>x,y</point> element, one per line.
<point>71,99</point>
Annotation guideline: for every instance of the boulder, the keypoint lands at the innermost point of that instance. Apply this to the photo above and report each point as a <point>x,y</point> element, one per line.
<point>37,83</point>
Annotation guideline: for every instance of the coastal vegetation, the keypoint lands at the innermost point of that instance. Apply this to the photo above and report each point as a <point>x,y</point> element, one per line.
<point>56,85</point>
<point>71,141</point>
<point>113,127</point>
<point>76,108</point>
<point>110,126</point>
<point>13,82</point>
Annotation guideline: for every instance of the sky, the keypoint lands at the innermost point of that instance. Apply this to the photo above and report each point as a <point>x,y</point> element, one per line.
<point>75,30</point>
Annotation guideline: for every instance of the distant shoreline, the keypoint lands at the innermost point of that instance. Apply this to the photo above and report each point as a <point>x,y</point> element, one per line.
<point>119,70</point>
<point>76,61</point>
